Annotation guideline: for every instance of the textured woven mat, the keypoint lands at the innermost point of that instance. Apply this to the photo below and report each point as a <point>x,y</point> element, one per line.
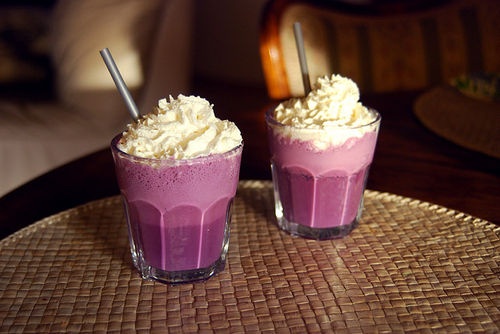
<point>468,122</point>
<point>409,266</point>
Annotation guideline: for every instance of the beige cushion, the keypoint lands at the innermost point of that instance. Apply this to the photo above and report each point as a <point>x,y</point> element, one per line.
<point>130,29</point>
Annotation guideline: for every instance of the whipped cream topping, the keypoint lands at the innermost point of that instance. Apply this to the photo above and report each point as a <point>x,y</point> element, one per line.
<point>332,105</point>
<point>182,128</point>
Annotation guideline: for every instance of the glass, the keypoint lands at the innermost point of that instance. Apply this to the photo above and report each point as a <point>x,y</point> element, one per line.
<point>178,212</point>
<point>318,186</point>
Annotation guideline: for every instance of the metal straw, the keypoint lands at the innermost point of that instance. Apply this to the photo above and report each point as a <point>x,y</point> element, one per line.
<point>299,41</point>
<point>120,84</point>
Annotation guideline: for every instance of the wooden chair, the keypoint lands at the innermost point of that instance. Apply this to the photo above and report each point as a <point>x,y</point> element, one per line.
<point>382,48</point>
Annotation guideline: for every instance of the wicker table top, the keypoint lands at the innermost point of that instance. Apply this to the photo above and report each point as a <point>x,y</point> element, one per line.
<point>409,266</point>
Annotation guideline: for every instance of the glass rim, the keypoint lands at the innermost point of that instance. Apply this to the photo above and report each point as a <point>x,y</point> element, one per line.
<point>172,160</point>
<point>271,120</point>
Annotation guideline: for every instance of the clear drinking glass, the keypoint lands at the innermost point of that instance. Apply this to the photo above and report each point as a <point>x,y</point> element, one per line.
<point>178,212</point>
<point>320,175</point>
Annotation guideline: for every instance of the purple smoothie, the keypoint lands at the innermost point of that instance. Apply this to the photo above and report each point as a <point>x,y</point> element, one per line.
<point>319,192</point>
<point>178,210</point>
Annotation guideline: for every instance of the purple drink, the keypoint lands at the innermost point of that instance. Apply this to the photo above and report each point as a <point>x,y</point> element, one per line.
<point>178,169</point>
<point>319,201</point>
<point>319,194</point>
<point>178,212</point>
<point>320,156</point>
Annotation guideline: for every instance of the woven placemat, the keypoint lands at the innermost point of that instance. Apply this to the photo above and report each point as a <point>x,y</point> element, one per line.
<point>409,266</point>
<point>465,121</point>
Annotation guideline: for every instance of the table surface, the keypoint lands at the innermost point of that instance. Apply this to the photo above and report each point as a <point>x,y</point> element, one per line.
<point>409,266</point>
<point>410,161</point>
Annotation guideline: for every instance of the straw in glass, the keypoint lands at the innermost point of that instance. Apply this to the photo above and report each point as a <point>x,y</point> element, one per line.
<point>120,83</point>
<point>299,41</point>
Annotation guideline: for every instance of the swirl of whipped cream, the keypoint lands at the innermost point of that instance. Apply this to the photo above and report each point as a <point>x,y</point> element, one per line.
<point>182,128</point>
<point>332,101</point>
<point>332,105</point>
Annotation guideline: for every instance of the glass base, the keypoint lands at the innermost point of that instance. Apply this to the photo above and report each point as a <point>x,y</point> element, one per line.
<point>316,233</point>
<point>295,185</point>
<point>180,272</point>
<point>184,276</point>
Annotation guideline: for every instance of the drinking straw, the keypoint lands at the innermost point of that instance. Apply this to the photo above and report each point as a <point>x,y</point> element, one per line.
<point>299,41</point>
<point>120,83</point>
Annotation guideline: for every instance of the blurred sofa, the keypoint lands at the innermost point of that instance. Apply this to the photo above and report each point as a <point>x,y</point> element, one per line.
<point>57,100</point>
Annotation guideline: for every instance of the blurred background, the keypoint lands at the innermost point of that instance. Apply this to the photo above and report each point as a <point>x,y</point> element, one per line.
<point>58,101</point>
